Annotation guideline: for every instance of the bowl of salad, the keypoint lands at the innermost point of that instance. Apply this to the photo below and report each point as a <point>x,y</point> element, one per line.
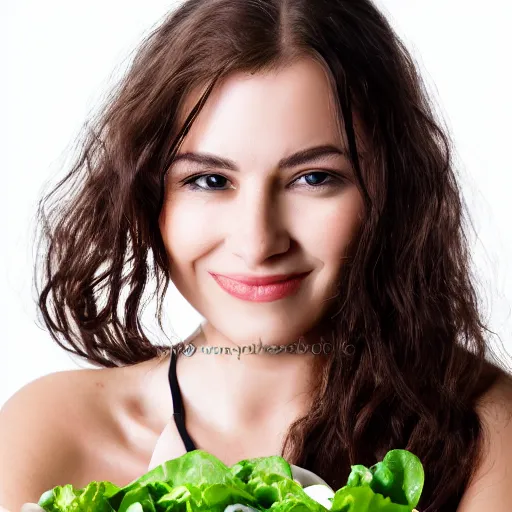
<point>198,481</point>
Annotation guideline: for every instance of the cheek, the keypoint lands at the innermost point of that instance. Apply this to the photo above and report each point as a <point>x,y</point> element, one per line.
<point>187,230</point>
<point>329,228</point>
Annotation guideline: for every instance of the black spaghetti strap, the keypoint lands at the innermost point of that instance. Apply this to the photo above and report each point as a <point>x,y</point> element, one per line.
<point>179,411</point>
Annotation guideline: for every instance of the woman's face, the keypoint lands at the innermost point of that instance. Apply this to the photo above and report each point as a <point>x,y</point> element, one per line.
<point>252,208</point>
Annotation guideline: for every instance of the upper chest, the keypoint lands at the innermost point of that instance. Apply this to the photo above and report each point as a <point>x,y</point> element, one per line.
<point>132,428</point>
<point>112,425</point>
<point>229,446</point>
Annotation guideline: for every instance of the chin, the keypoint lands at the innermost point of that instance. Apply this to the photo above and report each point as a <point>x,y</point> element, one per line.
<point>270,331</point>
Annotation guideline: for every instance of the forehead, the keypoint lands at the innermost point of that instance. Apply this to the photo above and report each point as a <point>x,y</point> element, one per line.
<point>258,118</point>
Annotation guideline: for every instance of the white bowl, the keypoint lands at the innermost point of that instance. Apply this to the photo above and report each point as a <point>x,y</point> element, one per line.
<point>306,477</point>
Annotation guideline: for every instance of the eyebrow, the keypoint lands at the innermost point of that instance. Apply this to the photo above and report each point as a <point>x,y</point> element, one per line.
<point>301,157</point>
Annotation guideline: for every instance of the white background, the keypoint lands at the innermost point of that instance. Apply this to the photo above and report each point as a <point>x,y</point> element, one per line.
<point>59,59</point>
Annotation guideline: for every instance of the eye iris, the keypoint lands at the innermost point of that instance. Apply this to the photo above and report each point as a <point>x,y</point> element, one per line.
<point>315,178</point>
<point>215,181</point>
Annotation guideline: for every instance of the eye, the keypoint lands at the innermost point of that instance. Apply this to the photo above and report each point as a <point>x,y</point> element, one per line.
<point>207,182</point>
<point>320,179</point>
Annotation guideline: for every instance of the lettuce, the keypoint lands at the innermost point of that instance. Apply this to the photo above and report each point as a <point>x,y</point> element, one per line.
<point>393,485</point>
<point>198,481</point>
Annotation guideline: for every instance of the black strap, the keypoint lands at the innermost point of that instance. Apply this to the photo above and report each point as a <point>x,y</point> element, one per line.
<point>179,411</point>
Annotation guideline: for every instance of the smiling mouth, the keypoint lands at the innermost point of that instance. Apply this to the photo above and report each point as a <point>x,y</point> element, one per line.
<point>263,289</point>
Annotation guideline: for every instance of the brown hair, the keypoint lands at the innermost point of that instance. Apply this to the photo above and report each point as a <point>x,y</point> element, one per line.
<point>407,304</point>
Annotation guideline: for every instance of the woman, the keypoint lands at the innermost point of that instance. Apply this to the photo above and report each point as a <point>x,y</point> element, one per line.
<point>249,143</point>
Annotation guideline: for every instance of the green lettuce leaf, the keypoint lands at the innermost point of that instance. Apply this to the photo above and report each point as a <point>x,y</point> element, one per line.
<point>92,498</point>
<point>247,468</point>
<point>197,468</point>
<point>393,485</point>
<point>364,499</point>
<point>198,481</point>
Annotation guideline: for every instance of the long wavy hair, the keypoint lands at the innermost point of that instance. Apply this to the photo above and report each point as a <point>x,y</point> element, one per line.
<point>407,306</point>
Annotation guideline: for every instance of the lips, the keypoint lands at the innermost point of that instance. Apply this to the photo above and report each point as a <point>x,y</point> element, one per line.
<point>261,280</point>
<point>260,288</point>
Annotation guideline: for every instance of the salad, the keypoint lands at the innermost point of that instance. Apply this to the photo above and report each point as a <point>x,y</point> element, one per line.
<point>198,481</point>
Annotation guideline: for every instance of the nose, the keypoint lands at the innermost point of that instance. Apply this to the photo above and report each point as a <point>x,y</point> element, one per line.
<point>258,229</point>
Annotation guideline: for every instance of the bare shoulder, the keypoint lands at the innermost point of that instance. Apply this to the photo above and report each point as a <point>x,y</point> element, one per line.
<point>35,433</point>
<point>491,485</point>
<point>41,431</point>
<point>77,426</point>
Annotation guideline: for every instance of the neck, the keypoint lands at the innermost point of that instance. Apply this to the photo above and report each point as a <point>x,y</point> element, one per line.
<point>253,383</point>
